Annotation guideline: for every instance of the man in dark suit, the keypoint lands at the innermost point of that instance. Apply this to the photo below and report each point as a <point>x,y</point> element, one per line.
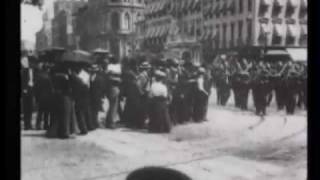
<point>188,80</point>
<point>43,92</point>
<point>98,86</point>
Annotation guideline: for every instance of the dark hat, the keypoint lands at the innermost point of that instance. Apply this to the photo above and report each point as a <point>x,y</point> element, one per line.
<point>173,62</point>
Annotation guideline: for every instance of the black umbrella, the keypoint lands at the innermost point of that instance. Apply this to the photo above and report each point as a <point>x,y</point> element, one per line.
<point>77,56</point>
<point>100,51</point>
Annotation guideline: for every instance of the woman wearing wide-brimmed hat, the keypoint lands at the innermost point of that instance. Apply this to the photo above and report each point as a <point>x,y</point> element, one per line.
<point>159,119</point>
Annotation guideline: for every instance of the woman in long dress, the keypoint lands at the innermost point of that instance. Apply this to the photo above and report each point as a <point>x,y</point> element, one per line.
<point>62,103</point>
<point>159,119</point>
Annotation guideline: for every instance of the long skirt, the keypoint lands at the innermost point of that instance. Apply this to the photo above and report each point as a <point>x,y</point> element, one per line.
<point>201,106</point>
<point>159,121</point>
<point>112,115</point>
<point>62,116</point>
<point>134,113</point>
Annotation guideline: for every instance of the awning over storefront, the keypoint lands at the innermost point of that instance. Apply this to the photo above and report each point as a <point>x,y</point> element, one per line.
<point>231,5</point>
<point>280,3</point>
<point>304,30</point>
<point>293,30</point>
<point>298,54</point>
<point>304,3</point>
<point>266,2</point>
<point>195,3</point>
<point>264,29</point>
<point>276,52</point>
<point>293,3</point>
<point>204,34</point>
<point>213,34</point>
<point>224,6</point>
<point>279,30</point>
<point>207,8</point>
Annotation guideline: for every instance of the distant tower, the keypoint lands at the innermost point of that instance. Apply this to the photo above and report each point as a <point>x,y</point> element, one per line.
<point>115,22</point>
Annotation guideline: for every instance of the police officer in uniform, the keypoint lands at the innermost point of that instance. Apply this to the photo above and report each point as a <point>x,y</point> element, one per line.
<point>260,82</point>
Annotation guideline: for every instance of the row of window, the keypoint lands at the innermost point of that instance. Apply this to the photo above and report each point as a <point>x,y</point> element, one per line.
<point>118,1</point>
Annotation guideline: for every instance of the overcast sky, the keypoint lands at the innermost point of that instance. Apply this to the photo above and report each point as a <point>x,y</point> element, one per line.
<point>31,20</point>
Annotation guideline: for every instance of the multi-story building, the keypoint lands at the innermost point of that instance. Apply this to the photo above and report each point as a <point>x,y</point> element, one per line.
<point>62,23</point>
<point>109,24</point>
<point>44,36</point>
<point>173,25</point>
<point>246,27</point>
<point>249,26</point>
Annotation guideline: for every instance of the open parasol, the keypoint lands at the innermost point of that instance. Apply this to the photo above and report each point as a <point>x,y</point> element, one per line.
<point>100,51</point>
<point>77,56</point>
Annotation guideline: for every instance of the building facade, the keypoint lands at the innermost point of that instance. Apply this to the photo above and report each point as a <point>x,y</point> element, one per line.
<point>62,24</point>
<point>249,26</point>
<point>44,36</point>
<point>173,25</point>
<point>246,27</point>
<point>109,24</point>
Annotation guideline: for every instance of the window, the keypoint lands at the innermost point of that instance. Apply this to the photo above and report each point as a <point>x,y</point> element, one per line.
<point>115,21</point>
<point>290,11</point>
<point>277,34</point>
<point>232,34</point>
<point>250,5</point>
<point>224,40</point>
<point>127,21</point>
<point>240,30</point>
<point>249,30</point>
<point>217,36</point>
<point>277,8</point>
<point>240,6</point>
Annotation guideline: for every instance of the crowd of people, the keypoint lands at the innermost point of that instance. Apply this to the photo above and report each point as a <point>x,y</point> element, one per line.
<point>156,94</point>
<point>287,80</point>
<point>150,94</point>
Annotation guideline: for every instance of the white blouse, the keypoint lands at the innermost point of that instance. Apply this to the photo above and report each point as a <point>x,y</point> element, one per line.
<point>158,89</point>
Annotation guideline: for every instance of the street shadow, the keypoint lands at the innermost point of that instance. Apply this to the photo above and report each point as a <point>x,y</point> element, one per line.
<point>292,135</point>
<point>262,120</point>
<point>144,131</point>
<point>37,135</point>
<point>157,173</point>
